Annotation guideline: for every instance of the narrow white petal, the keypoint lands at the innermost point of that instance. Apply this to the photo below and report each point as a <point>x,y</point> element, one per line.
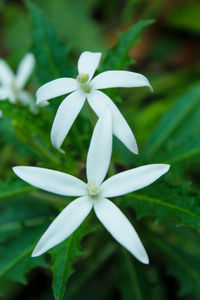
<point>99,153</point>
<point>51,181</point>
<point>24,70</point>
<point>64,225</point>
<point>133,180</point>
<point>88,63</point>
<point>65,117</point>
<point>26,98</point>
<point>6,74</point>
<point>111,79</point>
<point>120,228</point>
<point>3,93</point>
<point>55,88</point>
<point>98,101</point>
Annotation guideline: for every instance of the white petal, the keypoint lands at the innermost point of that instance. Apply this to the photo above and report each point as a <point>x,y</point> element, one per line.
<point>3,93</point>
<point>133,180</point>
<point>65,117</point>
<point>120,228</point>
<point>26,98</point>
<point>24,70</point>
<point>64,225</point>
<point>111,79</point>
<point>55,88</point>
<point>88,63</point>
<point>52,181</point>
<point>6,74</point>
<point>98,101</point>
<point>99,153</point>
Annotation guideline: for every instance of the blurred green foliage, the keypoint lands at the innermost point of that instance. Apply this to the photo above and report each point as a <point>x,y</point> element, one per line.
<point>166,125</point>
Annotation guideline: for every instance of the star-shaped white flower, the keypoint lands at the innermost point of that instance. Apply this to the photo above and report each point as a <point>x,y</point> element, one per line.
<point>94,193</point>
<point>85,87</point>
<point>12,85</point>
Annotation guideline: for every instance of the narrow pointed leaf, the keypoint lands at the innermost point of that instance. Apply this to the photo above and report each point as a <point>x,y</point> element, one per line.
<point>63,257</point>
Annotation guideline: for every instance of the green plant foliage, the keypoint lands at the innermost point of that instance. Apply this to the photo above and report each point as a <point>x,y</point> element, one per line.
<point>63,257</point>
<point>51,55</point>
<point>181,265</point>
<point>118,57</point>
<point>139,282</point>
<point>11,188</point>
<point>75,24</point>
<point>164,201</point>
<point>177,129</point>
<point>15,257</point>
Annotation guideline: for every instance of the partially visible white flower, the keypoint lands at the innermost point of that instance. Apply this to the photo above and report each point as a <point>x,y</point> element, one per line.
<point>12,85</point>
<point>94,193</point>
<point>85,87</point>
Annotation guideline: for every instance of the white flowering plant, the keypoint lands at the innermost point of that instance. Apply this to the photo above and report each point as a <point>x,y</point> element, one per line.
<point>93,174</point>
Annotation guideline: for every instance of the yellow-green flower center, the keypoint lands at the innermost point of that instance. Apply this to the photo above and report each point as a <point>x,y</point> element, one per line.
<point>92,189</point>
<point>82,79</point>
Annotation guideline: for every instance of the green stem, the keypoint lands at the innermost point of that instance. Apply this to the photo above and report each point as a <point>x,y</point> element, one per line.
<point>44,152</point>
<point>77,139</point>
<point>49,198</point>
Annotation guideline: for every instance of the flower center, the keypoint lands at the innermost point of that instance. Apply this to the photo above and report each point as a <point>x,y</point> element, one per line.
<point>13,88</point>
<point>92,189</point>
<point>82,79</point>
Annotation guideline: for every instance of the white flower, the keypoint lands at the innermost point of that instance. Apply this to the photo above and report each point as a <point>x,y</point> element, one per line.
<point>85,87</point>
<point>94,193</point>
<point>12,85</point>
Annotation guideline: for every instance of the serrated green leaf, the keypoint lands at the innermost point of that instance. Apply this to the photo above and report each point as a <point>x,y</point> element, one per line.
<point>20,212</point>
<point>166,202</point>
<point>173,119</point>
<point>62,261</point>
<point>15,258</point>
<point>50,54</point>
<point>118,57</point>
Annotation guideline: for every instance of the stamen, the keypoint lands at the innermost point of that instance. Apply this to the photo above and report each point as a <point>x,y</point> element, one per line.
<point>93,189</point>
<point>82,77</point>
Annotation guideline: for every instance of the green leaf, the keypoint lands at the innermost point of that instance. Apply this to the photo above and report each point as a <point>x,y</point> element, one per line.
<point>181,264</point>
<point>74,22</point>
<point>62,261</point>
<point>185,107</point>
<point>137,281</point>
<point>165,202</point>
<point>10,188</point>
<point>15,258</point>
<point>51,55</point>
<point>132,284</point>
<point>20,212</point>
<point>118,57</point>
